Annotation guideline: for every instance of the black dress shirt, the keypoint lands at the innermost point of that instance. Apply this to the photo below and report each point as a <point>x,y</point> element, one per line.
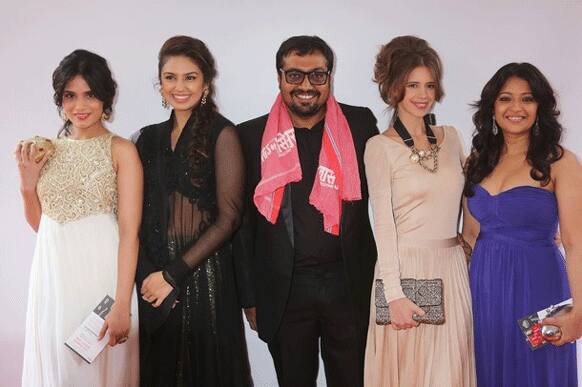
<point>313,246</point>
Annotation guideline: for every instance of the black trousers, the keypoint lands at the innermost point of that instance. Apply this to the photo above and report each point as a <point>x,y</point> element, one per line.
<point>319,310</point>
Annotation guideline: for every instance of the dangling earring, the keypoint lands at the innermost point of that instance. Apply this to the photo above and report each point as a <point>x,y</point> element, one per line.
<point>63,116</point>
<point>204,95</point>
<point>105,116</point>
<point>535,130</point>
<point>494,127</point>
<point>165,103</point>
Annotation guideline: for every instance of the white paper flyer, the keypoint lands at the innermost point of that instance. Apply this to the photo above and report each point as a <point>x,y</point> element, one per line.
<point>84,340</point>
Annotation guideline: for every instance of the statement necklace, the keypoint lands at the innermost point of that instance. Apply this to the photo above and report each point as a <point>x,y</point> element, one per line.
<point>421,156</point>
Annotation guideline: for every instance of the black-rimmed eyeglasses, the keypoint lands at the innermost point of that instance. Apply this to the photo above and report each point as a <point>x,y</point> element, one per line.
<point>296,77</point>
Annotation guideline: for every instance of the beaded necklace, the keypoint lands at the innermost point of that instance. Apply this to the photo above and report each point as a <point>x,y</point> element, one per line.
<point>421,156</point>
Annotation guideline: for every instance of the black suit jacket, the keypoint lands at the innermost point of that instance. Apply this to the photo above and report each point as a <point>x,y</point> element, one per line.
<point>268,248</point>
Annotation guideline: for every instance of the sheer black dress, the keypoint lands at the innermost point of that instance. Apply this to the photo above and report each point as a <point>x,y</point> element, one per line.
<point>193,199</point>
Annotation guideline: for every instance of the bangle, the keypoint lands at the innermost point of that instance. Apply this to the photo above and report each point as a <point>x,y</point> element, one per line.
<point>169,279</point>
<point>467,249</point>
<point>177,270</point>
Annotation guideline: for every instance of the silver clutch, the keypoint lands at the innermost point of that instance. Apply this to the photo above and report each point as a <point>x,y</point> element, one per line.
<point>426,293</point>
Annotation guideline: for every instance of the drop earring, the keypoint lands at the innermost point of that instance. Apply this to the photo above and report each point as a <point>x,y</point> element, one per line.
<point>204,95</point>
<point>63,116</point>
<point>535,130</point>
<point>165,104</point>
<point>494,127</point>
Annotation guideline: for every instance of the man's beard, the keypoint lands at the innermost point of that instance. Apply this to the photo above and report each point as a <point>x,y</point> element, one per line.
<point>306,110</point>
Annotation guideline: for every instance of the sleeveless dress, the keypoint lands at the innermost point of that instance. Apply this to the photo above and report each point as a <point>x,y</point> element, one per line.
<point>74,267</point>
<point>415,226</point>
<point>517,270</point>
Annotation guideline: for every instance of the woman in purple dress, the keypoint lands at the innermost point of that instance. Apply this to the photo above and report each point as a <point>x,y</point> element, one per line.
<point>520,184</point>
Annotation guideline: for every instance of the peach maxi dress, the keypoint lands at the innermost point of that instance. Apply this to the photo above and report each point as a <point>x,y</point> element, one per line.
<point>416,217</point>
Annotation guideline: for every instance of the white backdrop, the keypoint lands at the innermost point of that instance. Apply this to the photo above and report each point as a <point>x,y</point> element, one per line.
<point>473,39</point>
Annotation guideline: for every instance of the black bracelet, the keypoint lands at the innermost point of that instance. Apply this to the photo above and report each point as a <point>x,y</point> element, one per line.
<point>177,270</point>
<point>169,279</point>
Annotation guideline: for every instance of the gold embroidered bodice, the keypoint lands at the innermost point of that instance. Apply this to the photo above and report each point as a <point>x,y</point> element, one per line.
<point>79,179</point>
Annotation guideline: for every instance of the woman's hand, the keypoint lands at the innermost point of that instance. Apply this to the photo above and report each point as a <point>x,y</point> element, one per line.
<point>28,168</point>
<point>117,324</point>
<point>155,289</point>
<point>401,312</point>
<point>567,174</point>
<point>570,324</point>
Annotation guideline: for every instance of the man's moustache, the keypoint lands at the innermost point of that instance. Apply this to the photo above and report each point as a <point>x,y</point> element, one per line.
<point>311,93</point>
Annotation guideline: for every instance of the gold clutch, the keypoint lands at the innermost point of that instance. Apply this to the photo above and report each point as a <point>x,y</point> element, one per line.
<point>43,146</point>
<point>426,293</point>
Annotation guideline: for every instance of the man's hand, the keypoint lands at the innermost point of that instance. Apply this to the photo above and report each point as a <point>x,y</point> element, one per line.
<point>251,315</point>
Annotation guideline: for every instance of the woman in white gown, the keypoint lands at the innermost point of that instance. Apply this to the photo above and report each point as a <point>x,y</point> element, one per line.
<point>84,200</point>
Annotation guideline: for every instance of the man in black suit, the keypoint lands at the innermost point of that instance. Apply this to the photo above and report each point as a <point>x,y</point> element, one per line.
<point>309,284</point>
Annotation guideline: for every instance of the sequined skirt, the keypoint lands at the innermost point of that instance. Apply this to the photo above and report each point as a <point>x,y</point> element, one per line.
<point>202,342</point>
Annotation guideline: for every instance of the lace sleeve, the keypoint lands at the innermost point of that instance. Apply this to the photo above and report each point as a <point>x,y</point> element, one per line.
<point>229,172</point>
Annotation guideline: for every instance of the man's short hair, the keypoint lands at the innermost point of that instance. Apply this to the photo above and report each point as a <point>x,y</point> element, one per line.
<point>304,45</point>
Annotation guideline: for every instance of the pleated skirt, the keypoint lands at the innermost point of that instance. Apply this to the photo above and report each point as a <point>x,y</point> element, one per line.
<point>74,267</point>
<point>429,355</point>
<point>511,279</point>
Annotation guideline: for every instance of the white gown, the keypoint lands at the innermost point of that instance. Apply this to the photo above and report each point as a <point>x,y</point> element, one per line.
<point>74,267</point>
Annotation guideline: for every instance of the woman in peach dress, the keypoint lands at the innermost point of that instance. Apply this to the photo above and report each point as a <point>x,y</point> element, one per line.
<point>415,179</point>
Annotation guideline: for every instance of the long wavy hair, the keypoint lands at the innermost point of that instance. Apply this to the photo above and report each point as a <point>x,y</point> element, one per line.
<point>202,114</point>
<point>544,145</point>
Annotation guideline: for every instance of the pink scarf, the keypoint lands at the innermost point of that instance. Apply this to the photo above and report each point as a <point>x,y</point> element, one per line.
<point>337,177</point>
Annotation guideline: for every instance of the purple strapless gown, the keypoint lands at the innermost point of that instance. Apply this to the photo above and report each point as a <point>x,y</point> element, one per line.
<point>516,270</point>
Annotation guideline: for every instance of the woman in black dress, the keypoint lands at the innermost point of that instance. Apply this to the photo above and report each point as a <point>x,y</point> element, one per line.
<point>191,330</point>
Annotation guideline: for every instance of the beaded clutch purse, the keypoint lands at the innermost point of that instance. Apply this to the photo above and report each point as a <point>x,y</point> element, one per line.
<point>43,145</point>
<point>426,293</point>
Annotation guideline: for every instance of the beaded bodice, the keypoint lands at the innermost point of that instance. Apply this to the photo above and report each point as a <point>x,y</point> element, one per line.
<point>79,180</point>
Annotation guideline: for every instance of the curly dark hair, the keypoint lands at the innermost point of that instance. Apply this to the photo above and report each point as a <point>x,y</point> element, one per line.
<point>544,147</point>
<point>202,114</point>
<point>94,70</point>
<point>397,59</point>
